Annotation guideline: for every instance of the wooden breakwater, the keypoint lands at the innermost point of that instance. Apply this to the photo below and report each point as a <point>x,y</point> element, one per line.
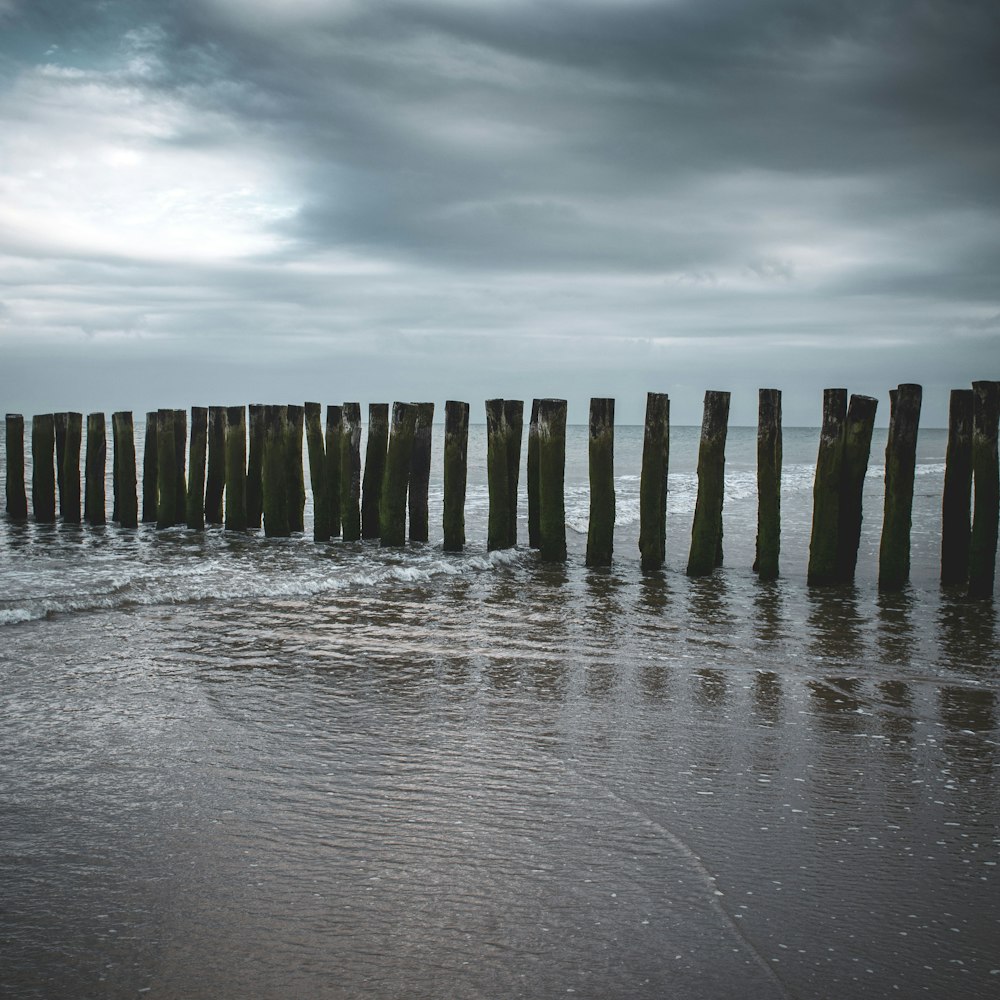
<point>242,473</point>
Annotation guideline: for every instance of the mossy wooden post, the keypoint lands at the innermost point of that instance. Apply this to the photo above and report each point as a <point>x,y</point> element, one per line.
<point>71,468</point>
<point>601,532</point>
<point>166,462</point>
<point>215,480</point>
<point>180,453</point>
<point>769,448</point>
<point>983,544</point>
<point>395,482</point>
<point>124,470</point>
<point>956,522</point>
<point>296,471</point>
<point>456,473</point>
<point>43,469</point>
<point>653,482</point>
<point>334,428</point>
<point>513,416</point>
<point>551,479</point>
<point>350,471</point>
<point>255,467</point>
<point>17,496</point>
<point>706,531</point>
<point>420,472</point>
<point>375,457</point>
<point>900,467</point>
<point>826,490</point>
<point>236,468</point>
<point>318,478</point>
<point>94,507</point>
<point>498,522</point>
<point>275,472</point>
<point>150,469</point>
<point>858,429</point>
<point>61,421</point>
<point>195,511</point>
<point>532,476</point>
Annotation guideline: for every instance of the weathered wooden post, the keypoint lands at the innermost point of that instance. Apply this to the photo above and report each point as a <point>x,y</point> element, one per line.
<point>532,477</point>
<point>513,417</point>
<point>296,472</point>
<point>255,467</point>
<point>396,480</point>
<point>350,471</point>
<point>375,457</point>
<point>983,544</point>
<point>43,476</point>
<point>334,428</point>
<point>456,470</point>
<point>420,472</point>
<point>124,470</point>
<point>956,503</point>
<point>551,479</point>
<point>826,490</point>
<point>94,508</point>
<point>769,447</point>
<point>166,447</point>
<point>318,478</point>
<point>498,523</point>
<point>900,467</point>
<point>71,468</point>
<point>150,469</point>
<point>215,481</point>
<point>275,477</point>
<point>236,468</point>
<point>61,422</point>
<point>706,531</point>
<point>180,451</point>
<point>858,429</point>
<point>601,531</point>
<point>195,513</point>
<point>17,496</point>
<point>653,482</point>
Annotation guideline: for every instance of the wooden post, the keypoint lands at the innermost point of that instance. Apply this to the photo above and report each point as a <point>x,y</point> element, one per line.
<point>150,469</point>
<point>61,421</point>
<point>498,523</point>
<point>983,545</point>
<point>255,467</point>
<point>653,482</point>
<point>43,476</point>
<point>456,470</point>
<point>551,479</point>
<point>826,490</point>
<point>180,451</point>
<point>420,472</point>
<point>95,511</point>
<point>350,471</point>
<point>532,477</point>
<point>215,481</point>
<point>601,531</point>
<point>768,483</point>
<point>375,457</point>
<point>236,468</point>
<point>956,523</point>
<point>296,472</point>
<point>900,467</point>
<point>124,471</point>
<point>706,531</point>
<point>195,513</point>
<point>166,446</point>
<point>396,480</point>
<point>17,496</point>
<point>513,416</point>
<point>275,472</point>
<point>318,479</point>
<point>858,429</point>
<point>334,428</point>
<point>71,468</point>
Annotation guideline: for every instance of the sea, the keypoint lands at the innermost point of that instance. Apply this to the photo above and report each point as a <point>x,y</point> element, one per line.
<point>239,767</point>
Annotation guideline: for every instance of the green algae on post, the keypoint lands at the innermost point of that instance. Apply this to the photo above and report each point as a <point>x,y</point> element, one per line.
<point>420,472</point>
<point>150,469</point>
<point>601,531</point>
<point>296,472</point>
<point>255,467</point>
<point>706,531</point>
<point>318,478</point>
<point>166,444</point>
<point>900,468</point>
<point>94,507</point>
<point>769,446</point>
<point>17,495</point>
<point>275,472</point>
<point>395,482</point>
<point>124,470</point>
<point>532,476</point>
<point>498,523</point>
<point>350,471</point>
<point>985,473</point>
<point>956,501</point>
<point>236,468</point>
<point>513,416</point>
<point>43,475</point>
<point>858,429</point>
<point>456,466</point>
<point>653,482</point>
<point>551,479</point>
<point>375,457</point>
<point>215,482</point>
<point>334,428</point>
<point>195,513</point>
<point>71,468</point>
<point>826,490</point>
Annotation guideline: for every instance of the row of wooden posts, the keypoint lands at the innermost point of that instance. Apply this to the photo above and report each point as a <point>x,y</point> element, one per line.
<point>224,484</point>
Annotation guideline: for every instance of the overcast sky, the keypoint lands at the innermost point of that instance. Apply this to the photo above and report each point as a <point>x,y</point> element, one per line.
<point>218,201</point>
